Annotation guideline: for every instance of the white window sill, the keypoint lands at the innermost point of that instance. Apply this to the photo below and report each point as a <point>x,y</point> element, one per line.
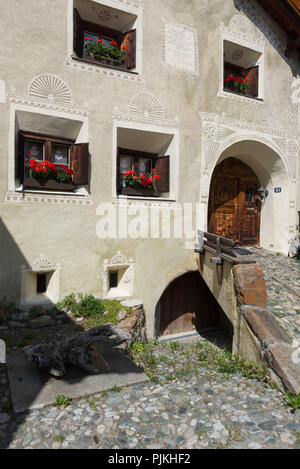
<point>132,197</point>
<point>80,192</point>
<point>239,97</point>
<point>100,69</point>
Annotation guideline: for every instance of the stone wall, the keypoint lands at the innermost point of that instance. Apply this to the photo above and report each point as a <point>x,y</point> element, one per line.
<point>257,335</point>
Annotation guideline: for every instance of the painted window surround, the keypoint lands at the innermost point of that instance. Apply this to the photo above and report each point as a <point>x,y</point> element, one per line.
<point>261,63</point>
<point>82,137</point>
<point>173,151</point>
<point>139,38</point>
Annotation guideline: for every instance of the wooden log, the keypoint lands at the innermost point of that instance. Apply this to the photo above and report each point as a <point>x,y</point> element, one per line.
<point>76,350</point>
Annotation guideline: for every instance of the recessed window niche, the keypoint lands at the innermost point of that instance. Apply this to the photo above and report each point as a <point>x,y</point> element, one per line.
<point>118,277</point>
<point>40,285</point>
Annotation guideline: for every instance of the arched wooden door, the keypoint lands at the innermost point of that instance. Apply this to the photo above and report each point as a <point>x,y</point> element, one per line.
<point>187,304</point>
<point>234,203</point>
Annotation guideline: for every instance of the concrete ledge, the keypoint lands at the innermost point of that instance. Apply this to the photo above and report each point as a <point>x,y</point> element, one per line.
<point>31,388</point>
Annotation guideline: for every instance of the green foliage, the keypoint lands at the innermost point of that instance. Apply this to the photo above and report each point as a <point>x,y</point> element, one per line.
<point>175,346</point>
<point>88,306</point>
<point>7,309</point>
<point>63,400</point>
<point>37,311</point>
<point>139,347</point>
<point>116,388</point>
<point>67,302</point>
<point>93,309</point>
<point>101,51</point>
<point>293,401</point>
<point>59,438</point>
<point>26,339</point>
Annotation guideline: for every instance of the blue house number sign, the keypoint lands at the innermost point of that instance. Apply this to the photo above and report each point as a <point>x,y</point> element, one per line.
<point>277,190</point>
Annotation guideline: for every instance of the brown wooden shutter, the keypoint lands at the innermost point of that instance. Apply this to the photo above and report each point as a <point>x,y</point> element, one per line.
<point>78,34</point>
<point>80,163</point>
<point>162,169</point>
<point>252,73</point>
<point>129,40</point>
<point>19,161</point>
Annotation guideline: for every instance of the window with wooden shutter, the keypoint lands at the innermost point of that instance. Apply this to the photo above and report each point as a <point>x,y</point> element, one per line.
<point>252,75</point>
<point>62,154</point>
<point>80,163</point>
<point>142,163</point>
<point>128,40</point>
<point>78,34</point>
<point>162,169</point>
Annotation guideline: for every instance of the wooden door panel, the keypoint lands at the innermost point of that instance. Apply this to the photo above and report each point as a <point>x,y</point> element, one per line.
<point>233,212</point>
<point>186,305</point>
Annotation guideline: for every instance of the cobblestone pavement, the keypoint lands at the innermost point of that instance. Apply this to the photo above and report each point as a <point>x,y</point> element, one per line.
<point>190,405</point>
<point>282,275</point>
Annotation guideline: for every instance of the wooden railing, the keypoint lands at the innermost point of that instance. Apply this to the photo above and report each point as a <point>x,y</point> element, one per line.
<point>223,248</point>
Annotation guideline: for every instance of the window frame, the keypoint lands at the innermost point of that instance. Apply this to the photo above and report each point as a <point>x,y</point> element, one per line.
<point>248,44</point>
<point>48,142</point>
<point>128,38</point>
<point>136,155</point>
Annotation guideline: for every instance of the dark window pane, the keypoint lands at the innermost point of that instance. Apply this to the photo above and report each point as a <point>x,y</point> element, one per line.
<point>126,163</point>
<point>90,38</point>
<point>145,165</point>
<point>41,283</point>
<point>113,279</point>
<point>33,150</point>
<point>60,154</point>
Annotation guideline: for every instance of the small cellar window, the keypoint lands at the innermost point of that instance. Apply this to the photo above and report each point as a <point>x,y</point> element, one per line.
<point>113,279</point>
<point>41,283</point>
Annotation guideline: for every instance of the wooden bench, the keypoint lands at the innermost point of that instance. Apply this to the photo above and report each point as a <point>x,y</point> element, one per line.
<point>222,247</point>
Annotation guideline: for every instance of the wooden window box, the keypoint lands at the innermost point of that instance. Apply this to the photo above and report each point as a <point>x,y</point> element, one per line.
<point>107,62</point>
<point>51,185</point>
<point>139,192</point>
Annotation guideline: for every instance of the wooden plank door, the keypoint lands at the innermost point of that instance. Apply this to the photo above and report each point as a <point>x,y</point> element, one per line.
<point>249,206</point>
<point>223,207</point>
<point>234,203</point>
<point>187,304</point>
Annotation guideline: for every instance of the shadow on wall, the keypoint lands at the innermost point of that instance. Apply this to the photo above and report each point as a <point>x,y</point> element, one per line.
<point>29,385</point>
<point>11,260</point>
<point>258,20</point>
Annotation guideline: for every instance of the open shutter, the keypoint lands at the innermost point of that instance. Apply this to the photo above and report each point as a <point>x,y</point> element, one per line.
<point>252,73</point>
<point>78,34</point>
<point>80,163</point>
<point>118,175</point>
<point>129,40</point>
<point>162,169</point>
<point>19,163</point>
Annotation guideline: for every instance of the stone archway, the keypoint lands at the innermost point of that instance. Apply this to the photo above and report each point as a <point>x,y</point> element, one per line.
<point>187,304</point>
<point>234,202</point>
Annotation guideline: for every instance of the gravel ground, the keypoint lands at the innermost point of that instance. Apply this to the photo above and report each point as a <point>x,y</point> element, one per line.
<point>188,404</point>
